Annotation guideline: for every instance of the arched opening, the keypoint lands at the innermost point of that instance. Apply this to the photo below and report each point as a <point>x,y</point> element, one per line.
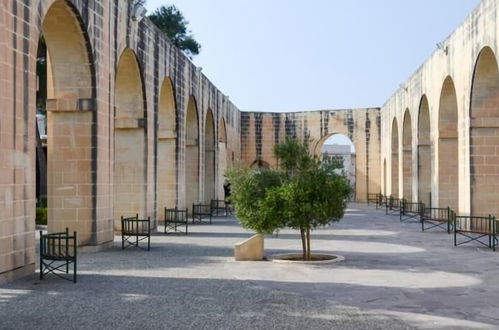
<point>484,135</point>
<point>424,152</point>
<point>448,147</point>
<point>222,156</point>
<point>339,146</point>
<point>209,157</point>
<point>66,96</point>
<point>260,165</point>
<point>191,154</point>
<point>407,157</point>
<point>395,159</point>
<point>167,141</point>
<point>129,140</point>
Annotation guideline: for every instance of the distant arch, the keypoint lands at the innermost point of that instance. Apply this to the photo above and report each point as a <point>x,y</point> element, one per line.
<point>223,161</point>
<point>395,159</point>
<point>424,152</point>
<point>407,156</point>
<point>260,164</point>
<point>130,153</point>
<point>484,135</point>
<point>167,149</point>
<point>448,160</point>
<point>209,157</point>
<point>191,153</point>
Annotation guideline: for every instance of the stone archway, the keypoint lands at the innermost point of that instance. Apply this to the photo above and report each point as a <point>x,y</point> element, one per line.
<point>484,135</point>
<point>222,156</point>
<point>129,140</point>
<point>448,159</point>
<point>166,179</point>
<point>191,154</point>
<point>407,157</point>
<point>71,126</point>
<point>209,157</point>
<point>424,152</point>
<point>395,159</point>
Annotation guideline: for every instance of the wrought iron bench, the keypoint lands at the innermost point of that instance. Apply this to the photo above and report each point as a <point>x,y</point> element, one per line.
<point>135,230</point>
<point>219,208</point>
<point>410,211</point>
<point>475,229</point>
<point>57,252</point>
<point>382,202</point>
<point>434,217</point>
<point>175,218</point>
<point>373,198</point>
<point>393,205</point>
<point>201,213</point>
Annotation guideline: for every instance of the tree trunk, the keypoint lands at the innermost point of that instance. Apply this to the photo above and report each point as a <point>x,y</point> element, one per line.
<point>308,244</point>
<point>303,243</point>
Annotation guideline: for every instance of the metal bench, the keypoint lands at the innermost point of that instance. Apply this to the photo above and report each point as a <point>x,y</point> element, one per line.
<point>57,252</point>
<point>476,229</point>
<point>393,205</point>
<point>219,208</point>
<point>175,218</point>
<point>373,198</point>
<point>382,202</point>
<point>434,217</point>
<point>410,211</point>
<point>201,213</point>
<point>135,230</point>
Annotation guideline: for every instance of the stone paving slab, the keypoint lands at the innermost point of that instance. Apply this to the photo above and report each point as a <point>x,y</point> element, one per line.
<point>394,277</point>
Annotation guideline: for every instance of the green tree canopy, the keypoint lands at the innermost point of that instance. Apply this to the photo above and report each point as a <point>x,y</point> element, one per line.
<point>304,193</point>
<point>172,22</point>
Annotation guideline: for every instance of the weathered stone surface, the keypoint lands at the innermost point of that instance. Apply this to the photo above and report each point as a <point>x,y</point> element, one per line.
<point>251,249</point>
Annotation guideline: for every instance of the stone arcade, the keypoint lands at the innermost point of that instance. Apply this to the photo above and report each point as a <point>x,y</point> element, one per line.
<point>134,126</point>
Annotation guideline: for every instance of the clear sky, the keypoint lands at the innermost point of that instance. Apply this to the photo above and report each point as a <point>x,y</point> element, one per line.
<point>287,55</point>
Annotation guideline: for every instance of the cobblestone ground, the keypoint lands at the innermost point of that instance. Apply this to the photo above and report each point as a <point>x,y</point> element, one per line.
<point>394,277</point>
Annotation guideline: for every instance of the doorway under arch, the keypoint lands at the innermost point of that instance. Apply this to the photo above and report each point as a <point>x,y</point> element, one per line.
<point>424,152</point>
<point>484,133</point>
<point>339,146</point>
<point>167,148</point>
<point>129,140</point>
<point>67,97</point>
<point>209,157</point>
<point>448,160</point>
<point>407,157</point>
<point>191,154</point>
<point>395,159</point>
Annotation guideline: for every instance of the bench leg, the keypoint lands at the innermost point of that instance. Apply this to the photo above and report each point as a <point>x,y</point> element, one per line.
<point>41,268</point>
<point>74,272</point>
<point>149,243</point>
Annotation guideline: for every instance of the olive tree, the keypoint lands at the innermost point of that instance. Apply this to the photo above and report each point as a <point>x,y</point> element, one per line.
<point>303,193</point>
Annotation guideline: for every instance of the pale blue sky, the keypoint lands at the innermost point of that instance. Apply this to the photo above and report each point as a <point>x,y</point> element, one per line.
<point>287,55</point>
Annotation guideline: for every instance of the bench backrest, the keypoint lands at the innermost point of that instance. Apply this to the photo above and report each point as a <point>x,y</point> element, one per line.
<point>394,202</point>
<point>175,215</point>
<point>202,209</point>
<point>58,245</point>
<point>469,223</point>
<point>412,207</point>
<point>218,204</point>
<point>438,214</point>
<point>135,226</point>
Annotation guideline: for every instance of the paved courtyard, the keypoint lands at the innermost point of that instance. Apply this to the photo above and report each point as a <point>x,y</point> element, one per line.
<point>394,277</point>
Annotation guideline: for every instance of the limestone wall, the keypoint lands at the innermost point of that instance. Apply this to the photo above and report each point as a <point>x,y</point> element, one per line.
<point>92,123</point>
<point>443,89</point>
<point>261,131</point>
